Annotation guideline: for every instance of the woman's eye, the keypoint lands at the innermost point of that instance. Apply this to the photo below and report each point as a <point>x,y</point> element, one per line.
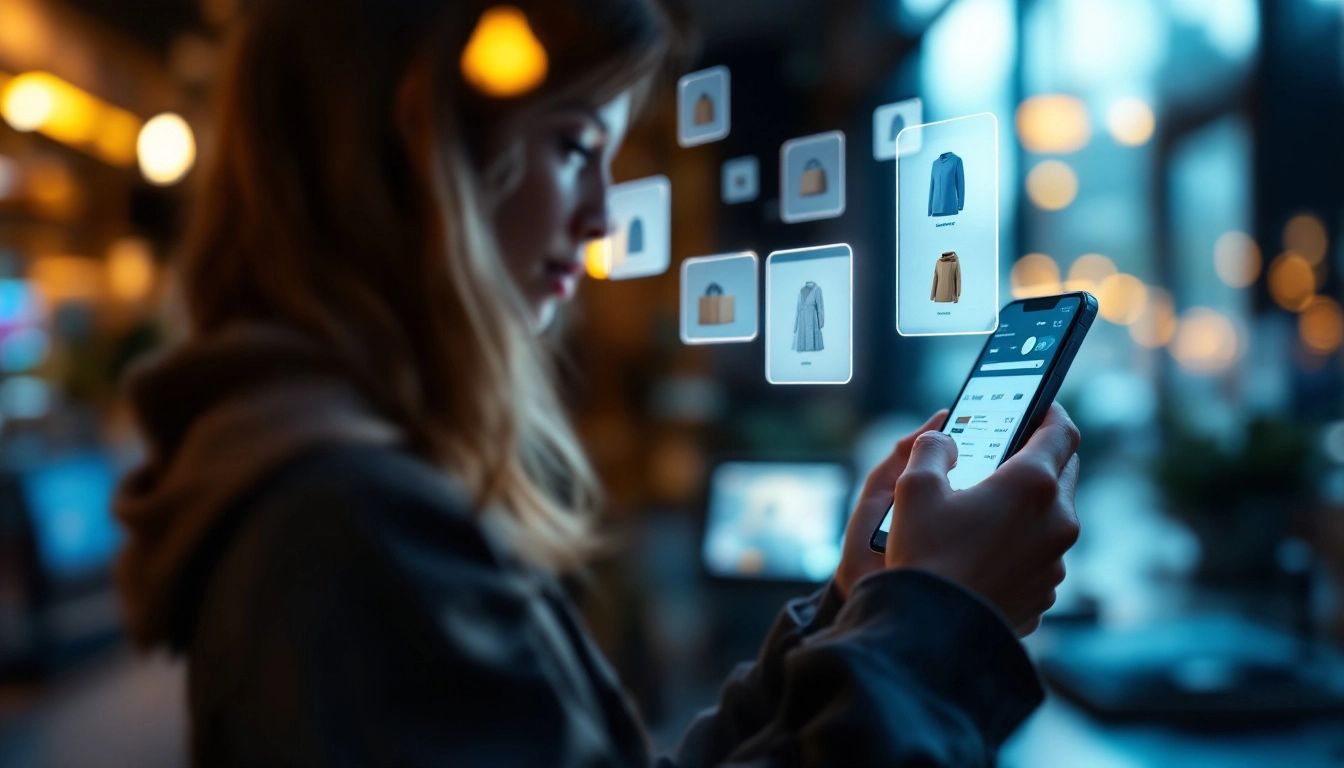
<point>570,147</point>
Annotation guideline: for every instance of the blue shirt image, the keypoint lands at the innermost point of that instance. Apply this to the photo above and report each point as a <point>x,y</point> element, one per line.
<point>947,186</point>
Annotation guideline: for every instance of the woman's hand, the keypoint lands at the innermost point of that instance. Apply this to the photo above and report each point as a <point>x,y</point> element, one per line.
<point>857,558</point>
<point>1003,538</point>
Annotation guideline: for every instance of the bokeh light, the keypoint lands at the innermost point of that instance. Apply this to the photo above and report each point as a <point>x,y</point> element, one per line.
<point>28,101</point>
<point>63,278</point>
<point>1206,341</point>
<point>166,149</point>
<point>1292,282</point>
<point>1156,326</point>
<point>1035,274</point>
<point>1236,259</point>
<point>1130,121</point>
<point>1321,326</point>
<point>1053,124</point>
<point>130,269</point>
<point>1087,272</point>
<point>503,58</point>
<point>597,258</point>
<point>43,102</point>
<point>1052,185</point>
<point>1123,298</point>
<point>23,350</point>
<point>1305,234</point>
<point>24,397</point>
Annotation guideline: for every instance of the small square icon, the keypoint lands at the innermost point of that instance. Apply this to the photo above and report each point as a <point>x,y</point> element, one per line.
<point>741,180</point>
<point>888,122</point>
<point>719,298</point>
<point>641,210</point>
<point>704,108</point>
<point>812,177</point>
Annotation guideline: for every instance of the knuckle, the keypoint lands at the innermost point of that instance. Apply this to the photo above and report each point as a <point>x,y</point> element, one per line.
<point>914,481</point>
<point>1037,480</point>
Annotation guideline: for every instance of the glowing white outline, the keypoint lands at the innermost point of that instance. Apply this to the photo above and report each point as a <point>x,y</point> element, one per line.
<point>665,190</point>
<point>998,268</point>
<point>849,376</point>
<point>784,150</point>
<point>686,311</point>
<point>701,74</point>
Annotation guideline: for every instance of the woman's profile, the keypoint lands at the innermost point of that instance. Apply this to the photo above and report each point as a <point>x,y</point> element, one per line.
<point>361,489</point>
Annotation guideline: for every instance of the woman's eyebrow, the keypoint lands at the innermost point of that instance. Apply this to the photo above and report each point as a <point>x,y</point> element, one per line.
<point>591,113</point>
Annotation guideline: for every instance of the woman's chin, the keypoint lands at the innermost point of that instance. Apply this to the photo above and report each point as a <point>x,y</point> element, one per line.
<point>544,314</point>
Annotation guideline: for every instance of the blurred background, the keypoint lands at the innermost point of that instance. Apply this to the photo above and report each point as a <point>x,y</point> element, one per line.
<point>1181,159</point>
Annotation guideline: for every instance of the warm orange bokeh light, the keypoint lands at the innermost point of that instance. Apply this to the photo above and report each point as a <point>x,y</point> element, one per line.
<point>1053,124</point>
<point>1291,281</point>
<point>43,102</point>
<point>503,58</point>
<point>597,258</point>
<point>1035,274</point>
<point>1321,326</point>
<point>1087,272</point>
<point>1206,341</point>
<point>1156,326</point>
<point>130,269</point>
<point>1305,234</point>
<point>1123,298</point>
<point>1052,185</point>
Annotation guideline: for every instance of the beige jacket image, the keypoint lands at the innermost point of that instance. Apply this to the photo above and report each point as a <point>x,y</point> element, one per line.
<point>946,278</point>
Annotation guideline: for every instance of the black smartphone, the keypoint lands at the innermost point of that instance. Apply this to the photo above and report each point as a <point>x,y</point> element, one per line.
<point>1012,385</point>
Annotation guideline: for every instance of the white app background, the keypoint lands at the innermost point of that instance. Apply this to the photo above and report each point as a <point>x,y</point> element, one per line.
<point>972,233</point>
<point>983,423</point>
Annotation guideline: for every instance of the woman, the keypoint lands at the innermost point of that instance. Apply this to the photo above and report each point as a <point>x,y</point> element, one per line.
<point>361,489</point>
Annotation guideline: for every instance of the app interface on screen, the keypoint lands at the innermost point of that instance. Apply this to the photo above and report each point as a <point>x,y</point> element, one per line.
<point>996,398</point>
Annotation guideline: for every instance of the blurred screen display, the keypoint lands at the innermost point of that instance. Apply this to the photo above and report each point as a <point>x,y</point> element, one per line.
<point>69,502</point>
<point>773,520</point>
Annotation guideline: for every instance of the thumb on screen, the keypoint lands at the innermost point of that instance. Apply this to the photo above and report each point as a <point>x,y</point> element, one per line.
<point>934,453</point>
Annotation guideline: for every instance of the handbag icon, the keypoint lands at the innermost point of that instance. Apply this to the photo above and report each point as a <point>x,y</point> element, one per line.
<point>897,124</point>
<point>703,114</point>
<point>715,308</point>
<point>635,240</point>
<point>813,180</point>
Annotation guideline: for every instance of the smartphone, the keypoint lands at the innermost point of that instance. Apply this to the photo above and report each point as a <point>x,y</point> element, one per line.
<point>1011,387</point>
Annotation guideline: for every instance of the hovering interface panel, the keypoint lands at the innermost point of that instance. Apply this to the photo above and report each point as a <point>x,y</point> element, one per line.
<point>809,315</point>
<point>948,227</point>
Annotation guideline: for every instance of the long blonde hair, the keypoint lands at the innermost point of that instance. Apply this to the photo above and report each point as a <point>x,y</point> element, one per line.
<point>324,211</point>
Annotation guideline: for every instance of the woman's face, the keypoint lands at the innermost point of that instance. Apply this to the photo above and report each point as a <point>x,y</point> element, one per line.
<point>559,203</point>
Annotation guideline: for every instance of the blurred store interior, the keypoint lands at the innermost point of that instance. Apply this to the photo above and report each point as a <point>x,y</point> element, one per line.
<point>1181,159</point>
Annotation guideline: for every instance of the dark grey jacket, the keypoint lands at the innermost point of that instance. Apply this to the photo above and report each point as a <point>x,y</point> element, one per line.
<point>351,612</point>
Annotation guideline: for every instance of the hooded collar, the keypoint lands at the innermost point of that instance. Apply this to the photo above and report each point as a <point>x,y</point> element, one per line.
<point>219,415</point>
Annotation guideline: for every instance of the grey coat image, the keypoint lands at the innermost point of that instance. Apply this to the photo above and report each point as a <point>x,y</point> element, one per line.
<point>810,317</point>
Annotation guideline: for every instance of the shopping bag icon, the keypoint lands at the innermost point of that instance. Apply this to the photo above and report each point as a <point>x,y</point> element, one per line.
<point>715,308</point>
<point>635,239</point>
<point>703,114</point>
<point>813,180</point>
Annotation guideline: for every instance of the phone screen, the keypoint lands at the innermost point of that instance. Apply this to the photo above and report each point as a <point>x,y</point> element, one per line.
<point>1004,382</point>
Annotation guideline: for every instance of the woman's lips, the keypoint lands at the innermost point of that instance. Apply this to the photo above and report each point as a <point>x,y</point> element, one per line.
<point>562,277</point>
